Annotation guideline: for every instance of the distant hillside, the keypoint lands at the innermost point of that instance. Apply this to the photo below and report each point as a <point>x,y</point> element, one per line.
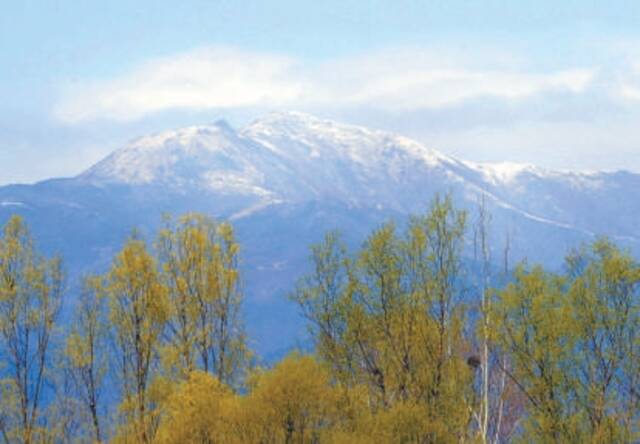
<point>289,177</point>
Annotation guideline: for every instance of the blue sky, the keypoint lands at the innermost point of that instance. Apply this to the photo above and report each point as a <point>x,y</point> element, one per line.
<point>551,83</point>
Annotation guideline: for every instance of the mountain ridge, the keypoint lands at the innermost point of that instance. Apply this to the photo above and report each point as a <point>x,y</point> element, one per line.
<point>293,157</point>
<point>307,138</point>
<point>288,178</point>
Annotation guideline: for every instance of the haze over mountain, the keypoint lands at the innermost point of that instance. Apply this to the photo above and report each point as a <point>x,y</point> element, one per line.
<point>289,177</point>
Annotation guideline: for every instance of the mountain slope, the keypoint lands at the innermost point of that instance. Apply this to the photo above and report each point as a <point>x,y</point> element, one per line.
<point>287,178</point>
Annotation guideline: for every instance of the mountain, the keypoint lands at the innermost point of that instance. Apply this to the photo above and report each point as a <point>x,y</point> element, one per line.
<point>287,178</point>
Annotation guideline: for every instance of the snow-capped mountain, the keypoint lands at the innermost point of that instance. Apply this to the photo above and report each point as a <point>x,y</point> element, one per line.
<point>293,157</point>
<point>210,158</point>
<point>287,178</point>
<point>288,157</point>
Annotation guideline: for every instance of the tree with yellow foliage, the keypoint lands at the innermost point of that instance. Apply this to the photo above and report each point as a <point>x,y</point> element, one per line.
<point>293,402</point>
<point>573,344</point>
<point>604,296</point>
<point>389,318</point>
<point>199,260</point>
<point>393,341</point>
<point>532,323</point>
<point>199,410</point>
<point>86,351</point>
<point>138,312</point>
<point>30,299</point>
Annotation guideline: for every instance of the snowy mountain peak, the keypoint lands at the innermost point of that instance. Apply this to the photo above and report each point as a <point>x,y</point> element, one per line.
<point>288,178</point>
<point>284,156</point>
<point>296,157</point>
<point>290,174</point>
<point>177,157</point>
<point>306,136</point>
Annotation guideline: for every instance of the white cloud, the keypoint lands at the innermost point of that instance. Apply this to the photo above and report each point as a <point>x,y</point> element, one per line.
<point>629,82</point>
<point>217,78</point>
<point>412,79</point>
<point>197,80</point>
<point>411,90</point>
<point>630,92</point>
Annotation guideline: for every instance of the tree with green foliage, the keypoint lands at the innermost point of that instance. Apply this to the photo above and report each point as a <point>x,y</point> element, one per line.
<point>604,296</point>
<point>531,321</point>
<point>573,343</point>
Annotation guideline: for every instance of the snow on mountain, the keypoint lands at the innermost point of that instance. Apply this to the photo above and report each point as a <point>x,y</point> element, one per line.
<point>511,173</point>
<point>356,165</point>
<point>503,173</point>
<point>283,157</point>
<point>287,178</point>
<point>306,136</point>
<point>207,157</point>
<point>295,157</point>
<point>598,203</point>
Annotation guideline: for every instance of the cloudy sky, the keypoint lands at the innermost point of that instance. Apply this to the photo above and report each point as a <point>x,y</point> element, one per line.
<point>544,82</point>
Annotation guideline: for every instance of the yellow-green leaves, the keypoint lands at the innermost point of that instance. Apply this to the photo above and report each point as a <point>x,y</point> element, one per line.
<point>199,262</point>
<point>292,402</point>
<point>30,298</point>
<point>388,319</point>
<point>138,312</point>
<point>174,315</point>
<point>605,317</point>
<point>200,410</point>
<point>400,356</point>
<point>86,353</point>
<point>572,345</point>
<point>531,323</point>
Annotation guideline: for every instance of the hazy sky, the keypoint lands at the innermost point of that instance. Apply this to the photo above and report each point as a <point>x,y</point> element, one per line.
<point>546,82</point>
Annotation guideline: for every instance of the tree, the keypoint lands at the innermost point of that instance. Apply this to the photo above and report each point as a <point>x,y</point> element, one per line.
<point>138,312</point>
<point>323,299</point>
<point>533,327</point>
<point>499,403</point>
<point>291,403</point>
<point>86,350</point>
<point>572,340</point>
<point>604,295</point>
<point>200,269</point>
<point>30,298</point>
<point>389,318</point>
<point>199,410</point>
